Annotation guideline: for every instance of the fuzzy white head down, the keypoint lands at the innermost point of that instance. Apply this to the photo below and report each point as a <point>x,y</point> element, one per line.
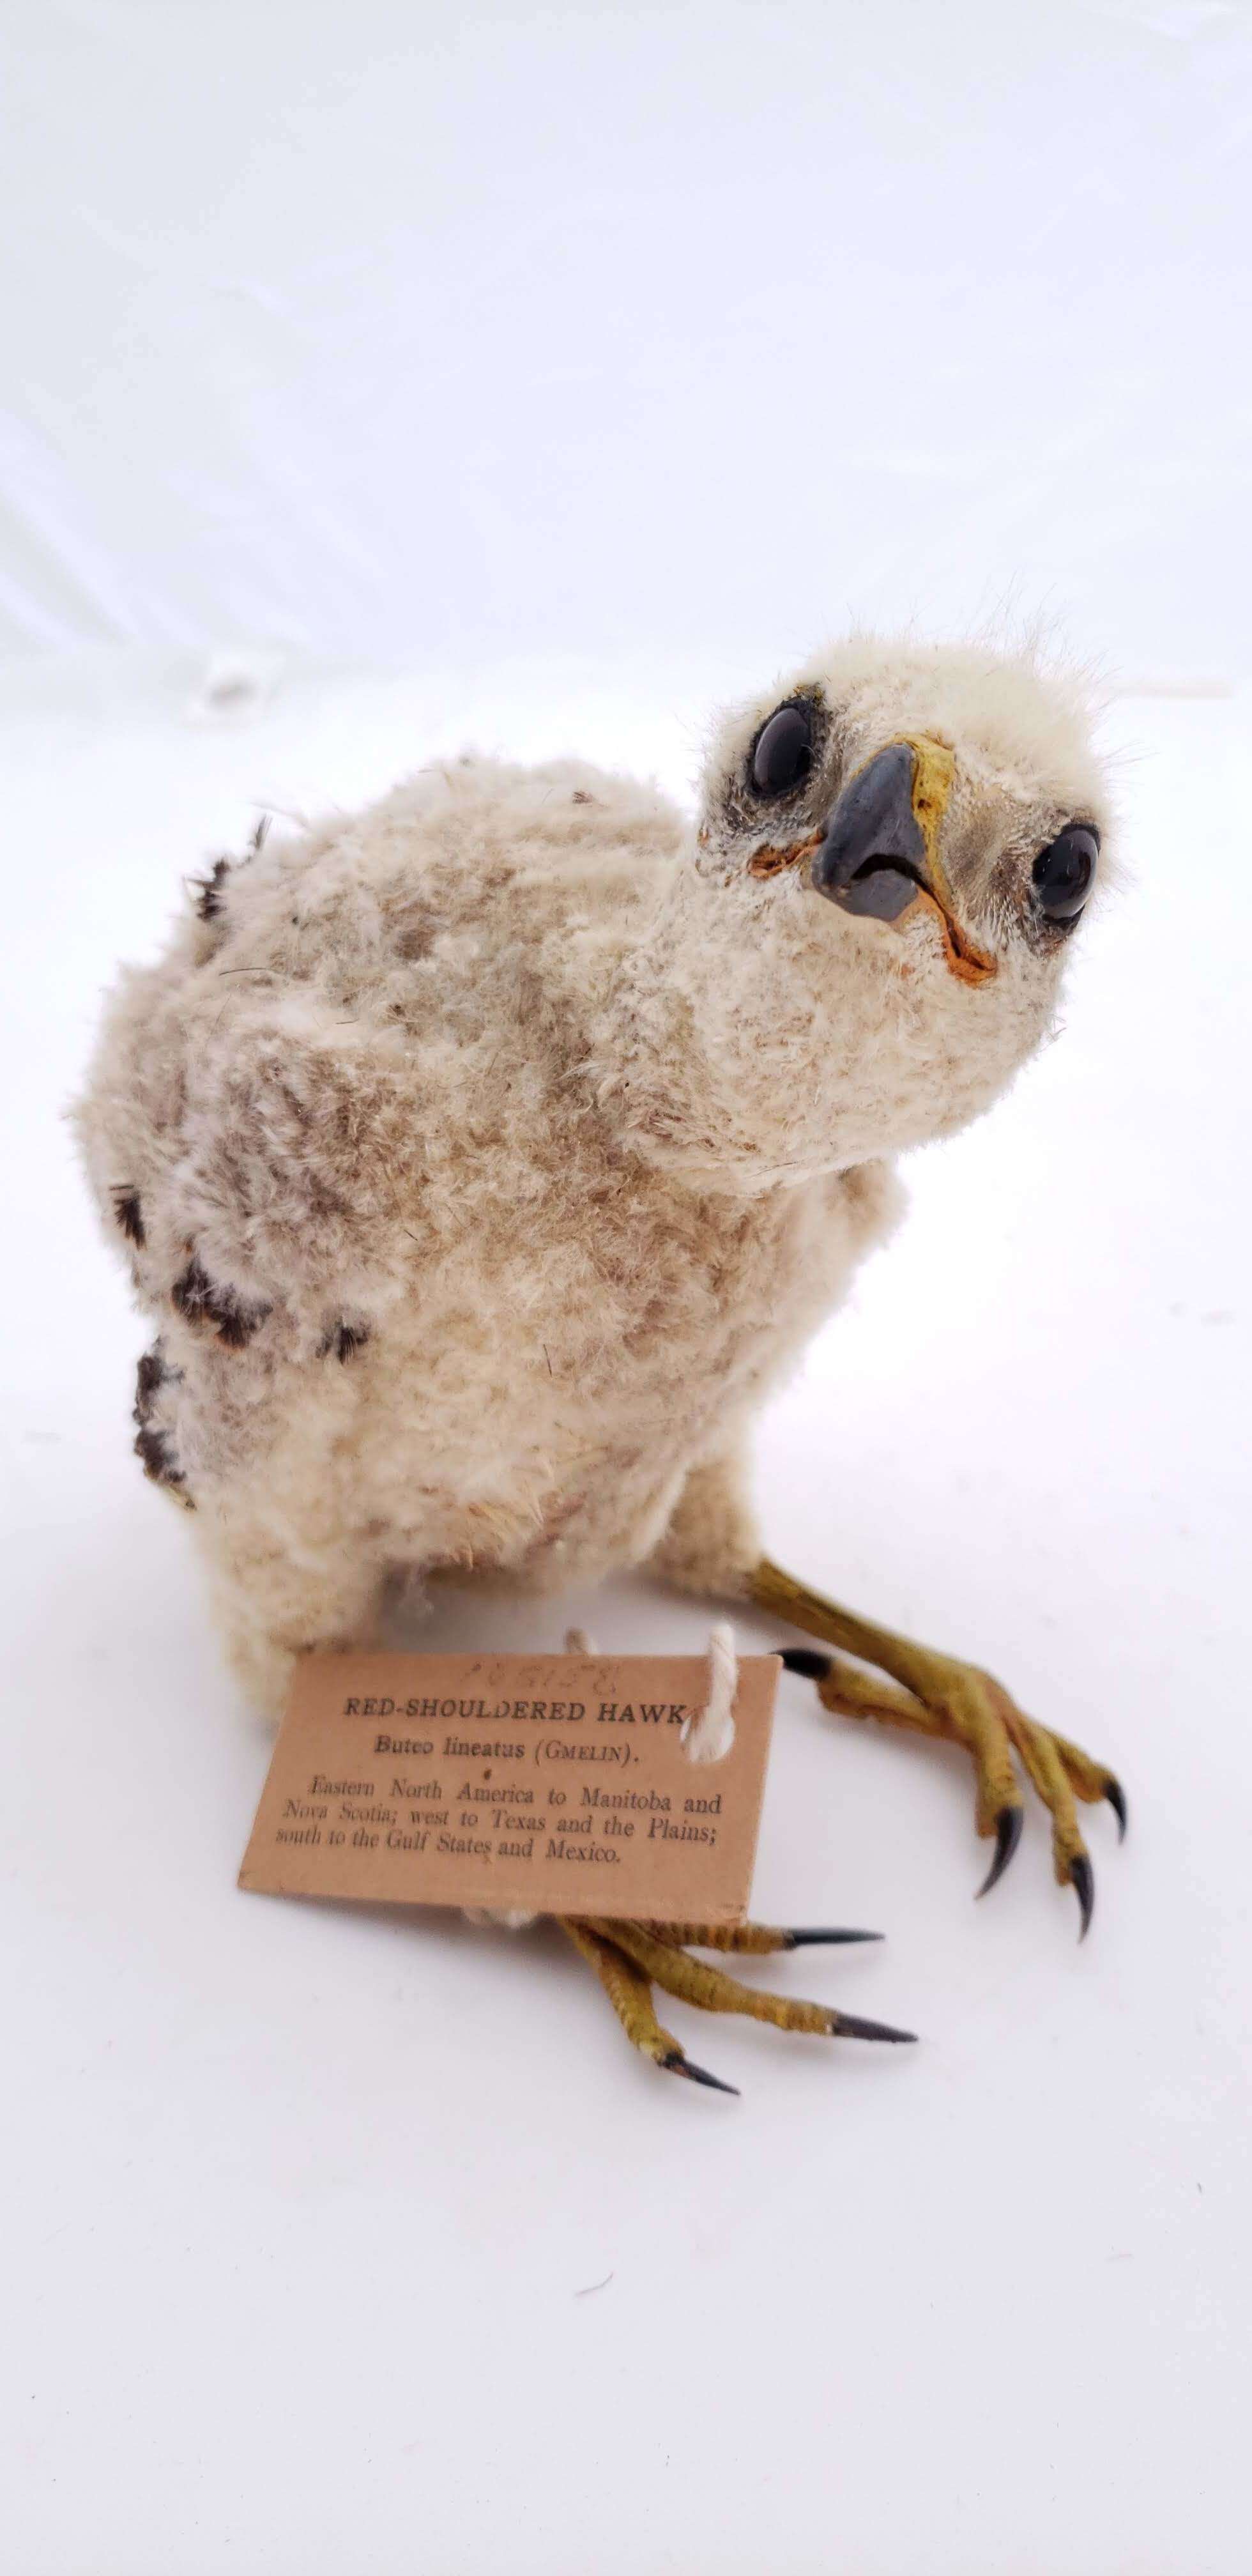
<point>483,1158</point>
<point>815,1039</point>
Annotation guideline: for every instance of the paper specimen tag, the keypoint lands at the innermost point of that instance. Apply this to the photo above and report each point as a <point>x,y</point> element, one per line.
<point>555,1782</point>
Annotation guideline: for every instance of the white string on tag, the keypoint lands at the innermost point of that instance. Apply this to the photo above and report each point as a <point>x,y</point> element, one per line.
<point>709,1737</point>
<point>712,1732</point>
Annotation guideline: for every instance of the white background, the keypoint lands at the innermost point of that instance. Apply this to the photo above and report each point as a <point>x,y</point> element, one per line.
<point>536,377</point>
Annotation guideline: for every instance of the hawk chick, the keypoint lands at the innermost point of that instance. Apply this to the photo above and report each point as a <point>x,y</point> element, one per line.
<point>485,1158</point>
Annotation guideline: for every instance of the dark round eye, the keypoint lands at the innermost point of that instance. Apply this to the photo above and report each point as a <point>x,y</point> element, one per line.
<point>783,751</point>
<point>1064,871</point>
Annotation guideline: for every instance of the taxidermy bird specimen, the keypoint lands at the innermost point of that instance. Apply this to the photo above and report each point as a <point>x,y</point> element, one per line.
<point>486,1158</point>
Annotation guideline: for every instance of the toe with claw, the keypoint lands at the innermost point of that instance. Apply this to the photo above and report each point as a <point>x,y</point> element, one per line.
<point>631,1958</point>
<point>1008,1831</point>
<point>934,1694</point>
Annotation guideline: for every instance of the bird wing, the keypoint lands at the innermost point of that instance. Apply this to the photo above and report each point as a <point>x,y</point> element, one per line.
<point>252,1130</point>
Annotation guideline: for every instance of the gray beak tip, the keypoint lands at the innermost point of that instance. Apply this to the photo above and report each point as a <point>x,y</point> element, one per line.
<point>872,857</point>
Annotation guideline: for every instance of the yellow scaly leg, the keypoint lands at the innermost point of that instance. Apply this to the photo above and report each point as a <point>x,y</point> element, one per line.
<point>630,1993</point>
<point>629,1958</point>
<point>711,1990</point>
<point>937,1695</point>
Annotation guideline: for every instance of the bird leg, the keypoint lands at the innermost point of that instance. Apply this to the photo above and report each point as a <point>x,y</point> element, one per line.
<point>934,1694</point>
<point>630,1958</point>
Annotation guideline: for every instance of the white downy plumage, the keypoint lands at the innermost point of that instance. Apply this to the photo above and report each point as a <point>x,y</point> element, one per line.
<point>483,1158</point>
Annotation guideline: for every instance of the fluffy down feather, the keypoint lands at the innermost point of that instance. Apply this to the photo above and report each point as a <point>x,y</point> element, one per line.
<point>483,1158</point>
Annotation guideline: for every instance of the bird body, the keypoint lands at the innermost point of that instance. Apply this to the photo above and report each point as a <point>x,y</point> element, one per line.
<point>445,1319</point>
<point>483,1158</point>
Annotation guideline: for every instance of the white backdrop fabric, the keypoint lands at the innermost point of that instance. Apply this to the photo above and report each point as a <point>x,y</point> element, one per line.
<point>581,364</point>
<point>424,333</point>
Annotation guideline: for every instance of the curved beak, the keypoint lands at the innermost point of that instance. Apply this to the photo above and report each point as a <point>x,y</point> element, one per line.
<point>879,853</point>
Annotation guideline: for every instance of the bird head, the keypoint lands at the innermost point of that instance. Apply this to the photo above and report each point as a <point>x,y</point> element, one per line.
<point>908,838</point>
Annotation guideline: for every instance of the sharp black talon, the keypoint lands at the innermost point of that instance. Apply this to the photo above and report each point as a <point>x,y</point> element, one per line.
<point>677,2064</point>
<point>850,2026</point>
<point>1009,1825</point>
<point>1082,1880</point>
<point>805,1940</point>
<point>1116,1796</point>
<point>804,1660</point>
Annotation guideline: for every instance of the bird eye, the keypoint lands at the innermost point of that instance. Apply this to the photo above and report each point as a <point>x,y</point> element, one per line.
<point>783,751</point>
<point>1063,872</point>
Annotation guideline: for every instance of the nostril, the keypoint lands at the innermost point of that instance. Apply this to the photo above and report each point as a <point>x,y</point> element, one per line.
<point>881,859</point>
<point>879,890</point>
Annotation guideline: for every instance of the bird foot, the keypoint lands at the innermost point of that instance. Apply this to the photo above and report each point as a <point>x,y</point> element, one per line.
<point>934,1694</point>
<point>630,1958</point>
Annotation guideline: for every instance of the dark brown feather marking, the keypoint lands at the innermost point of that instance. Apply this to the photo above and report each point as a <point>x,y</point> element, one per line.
<point>153,1446</point>
<point>157,1455</point>
<point>209,899</point>
<point>129,1214</point>
<point>343,1340</point>
<point>200,1301</point>
<point>150,1374</point>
